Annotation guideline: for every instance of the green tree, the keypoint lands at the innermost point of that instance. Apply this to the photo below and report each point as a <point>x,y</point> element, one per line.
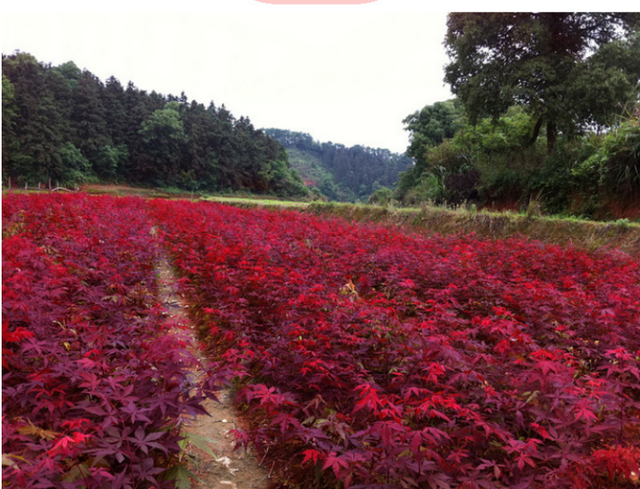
<point>432,125</point>
<point>224,147</point>
<point>88,116</point>
<point>428,128</point>
<point>108,160</point>
<point>9,114</point>
<point>381,196</point>
<point>75,167</point>
<point>163,137</point>
<point>545,62</point>
<point>602,84</point>
<point>70,72</point>
<point>138,107</point>
<point>615,165</point>
<point>41,121</point>
<point>115,114</point>
<point>200,159</point>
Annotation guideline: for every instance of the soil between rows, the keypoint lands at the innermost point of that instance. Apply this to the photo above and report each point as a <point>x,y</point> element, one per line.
<point>231,469</point>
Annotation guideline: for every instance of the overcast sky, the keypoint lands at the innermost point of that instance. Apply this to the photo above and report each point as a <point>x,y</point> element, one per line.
<point>343,73</point>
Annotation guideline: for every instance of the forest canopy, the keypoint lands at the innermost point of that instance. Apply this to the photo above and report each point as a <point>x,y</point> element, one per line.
<point>64,124</point>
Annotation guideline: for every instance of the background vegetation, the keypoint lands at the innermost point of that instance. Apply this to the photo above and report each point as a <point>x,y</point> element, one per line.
<point>338,172</point>
<point>65,125</point>
<point>545,118</point>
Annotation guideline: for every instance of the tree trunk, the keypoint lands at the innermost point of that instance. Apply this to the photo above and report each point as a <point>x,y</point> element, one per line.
<point>552,136</point>
<point>536,132</point>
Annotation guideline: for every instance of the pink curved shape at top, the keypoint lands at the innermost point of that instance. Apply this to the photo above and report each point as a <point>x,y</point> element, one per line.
<point>315,2</point>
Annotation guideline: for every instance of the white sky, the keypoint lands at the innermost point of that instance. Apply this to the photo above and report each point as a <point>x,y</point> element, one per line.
<point>343,73</point>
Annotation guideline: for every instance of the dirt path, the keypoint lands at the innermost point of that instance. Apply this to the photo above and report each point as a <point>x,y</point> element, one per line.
<point>230,469</point>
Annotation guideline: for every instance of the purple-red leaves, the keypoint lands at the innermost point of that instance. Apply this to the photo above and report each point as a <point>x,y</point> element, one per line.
<point>387,359</point>
<point>336,463</point>
<point>368,399</point>
<point>415,361</point>
<point>93,391</point>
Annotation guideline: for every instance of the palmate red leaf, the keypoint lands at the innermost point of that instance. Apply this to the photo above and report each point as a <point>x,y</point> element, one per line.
<point>67,446</point>
<point>16,335</point>
<point>311,454</point>
<point>368,399</point>
<point>145,440</point>
<point>336,463</point>
<point>583,410</point>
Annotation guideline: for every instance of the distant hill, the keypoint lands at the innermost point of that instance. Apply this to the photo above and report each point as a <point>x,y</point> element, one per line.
<point>341,173</point>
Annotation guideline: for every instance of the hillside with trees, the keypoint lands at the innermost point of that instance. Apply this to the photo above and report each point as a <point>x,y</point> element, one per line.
<point>546,116</point>
<point>65,125</point>
<point>338,172</point>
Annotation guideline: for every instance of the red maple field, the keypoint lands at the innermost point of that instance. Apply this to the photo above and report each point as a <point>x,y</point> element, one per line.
<point>374,357</point>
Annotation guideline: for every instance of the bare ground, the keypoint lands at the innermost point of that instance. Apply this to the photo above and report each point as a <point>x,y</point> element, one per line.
<point>229,469</point>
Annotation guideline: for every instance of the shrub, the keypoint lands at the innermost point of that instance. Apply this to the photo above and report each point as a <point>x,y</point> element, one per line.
<point>616,164</point>
<point>382,196</point>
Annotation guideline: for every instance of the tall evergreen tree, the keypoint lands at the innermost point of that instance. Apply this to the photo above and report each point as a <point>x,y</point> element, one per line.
<point>88,116</point>
<point>201,164</point>
<point>163,138</point>
<point>40,128</point>
<point>112,97</point>
<point>9,114</point>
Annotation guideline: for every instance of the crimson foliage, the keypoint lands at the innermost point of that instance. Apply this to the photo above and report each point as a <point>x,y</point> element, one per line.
<point>383,359</point>
<point>394,360</point>
<point>93,391</point>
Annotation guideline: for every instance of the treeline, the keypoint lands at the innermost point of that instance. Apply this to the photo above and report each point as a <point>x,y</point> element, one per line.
<point>546,117</point>
<point>65,125</point>
<point>340,172</point>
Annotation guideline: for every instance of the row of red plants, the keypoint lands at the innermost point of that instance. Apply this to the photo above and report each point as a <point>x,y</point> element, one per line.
<point>94,390</point>
<point>383,359</point>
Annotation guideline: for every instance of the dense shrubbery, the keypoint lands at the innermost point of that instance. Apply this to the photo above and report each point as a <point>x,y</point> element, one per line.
<point>496,162</point>
<point>385,360</point>
<point>489,161</point>
<point>615,163</point>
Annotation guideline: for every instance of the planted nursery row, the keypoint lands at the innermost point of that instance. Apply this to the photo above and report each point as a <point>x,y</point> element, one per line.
<point>364,356</point>
<point>375,358</point>
<point>94,390</point>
